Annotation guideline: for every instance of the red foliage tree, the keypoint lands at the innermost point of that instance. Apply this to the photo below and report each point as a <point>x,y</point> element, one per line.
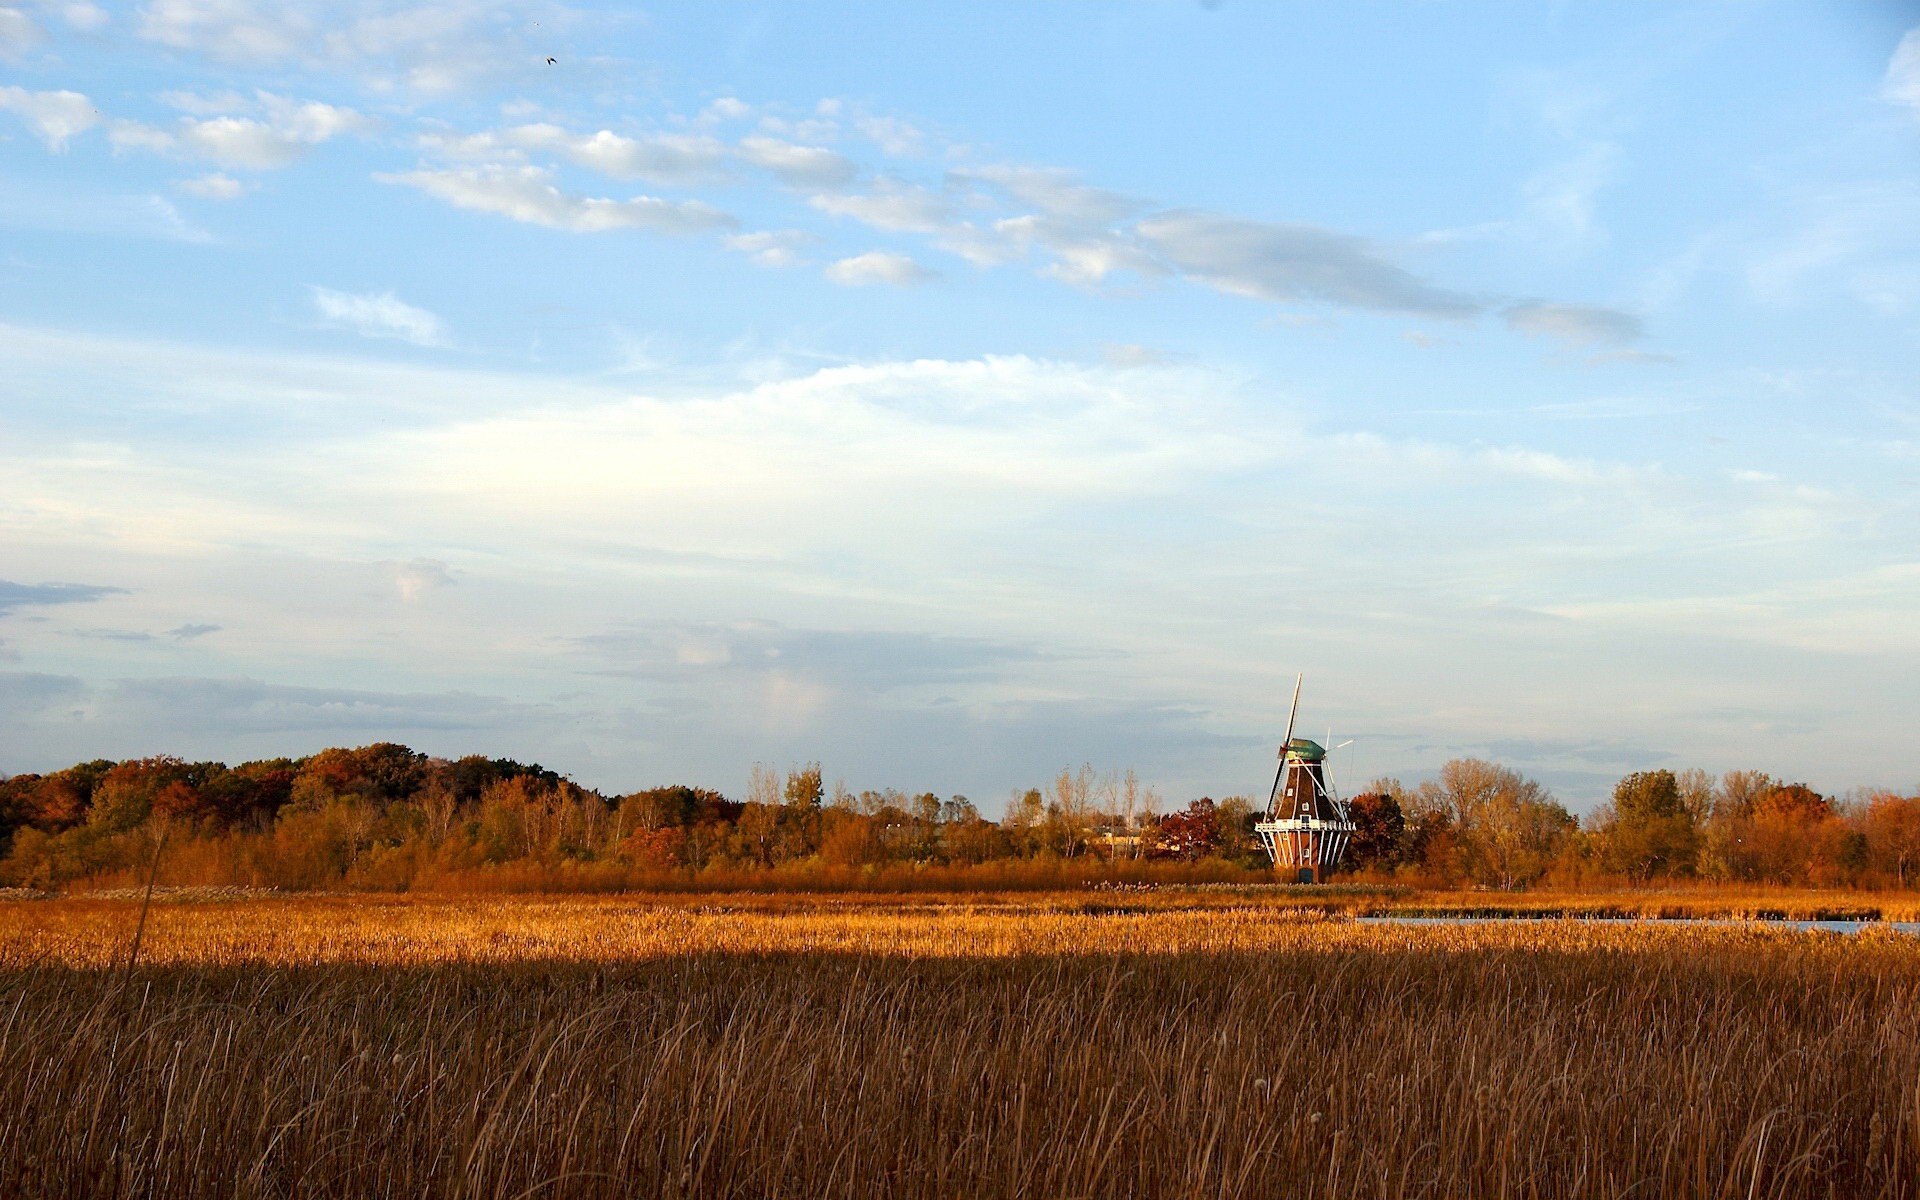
<point>1191,833</point>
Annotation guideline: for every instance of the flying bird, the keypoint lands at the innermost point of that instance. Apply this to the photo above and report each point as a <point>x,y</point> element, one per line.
<point>551,60</point>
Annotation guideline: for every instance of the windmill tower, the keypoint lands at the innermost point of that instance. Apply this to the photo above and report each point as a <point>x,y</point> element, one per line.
<point>1306,825</point>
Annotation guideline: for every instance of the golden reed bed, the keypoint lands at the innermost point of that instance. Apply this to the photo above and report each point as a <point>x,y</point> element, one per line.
<point>740,1047</point>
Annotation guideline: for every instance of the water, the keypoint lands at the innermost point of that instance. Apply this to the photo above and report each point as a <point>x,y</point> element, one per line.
<point>1912,927</point>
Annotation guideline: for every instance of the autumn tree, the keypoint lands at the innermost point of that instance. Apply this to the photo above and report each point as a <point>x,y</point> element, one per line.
<point>1891,825</point>
<point>1380,827</point>
<point>1237,838</point>
<point>1518,836</point>
<point>125,795</point>
<point>1024,823</point>
<point>1073,809</point>
<point>1190,833</point>
<point>1491,822</point>
<point>1785,824</point>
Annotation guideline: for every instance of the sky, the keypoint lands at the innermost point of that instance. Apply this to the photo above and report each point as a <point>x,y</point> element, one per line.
<point>953,393</point>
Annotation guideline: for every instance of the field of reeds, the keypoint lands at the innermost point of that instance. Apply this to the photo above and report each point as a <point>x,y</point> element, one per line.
<point>1216,1043</point>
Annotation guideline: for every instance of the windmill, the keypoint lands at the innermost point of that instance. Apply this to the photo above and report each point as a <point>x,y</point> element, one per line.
<point>1306,825</point>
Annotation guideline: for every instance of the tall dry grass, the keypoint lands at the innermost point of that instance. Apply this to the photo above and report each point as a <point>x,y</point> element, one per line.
<point>616,1048</point>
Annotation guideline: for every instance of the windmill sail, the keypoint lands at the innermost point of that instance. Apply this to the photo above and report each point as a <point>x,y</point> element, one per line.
<point>1280,772</point>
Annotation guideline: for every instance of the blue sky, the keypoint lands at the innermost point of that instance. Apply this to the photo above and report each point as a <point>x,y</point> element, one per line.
<point>954,393</point>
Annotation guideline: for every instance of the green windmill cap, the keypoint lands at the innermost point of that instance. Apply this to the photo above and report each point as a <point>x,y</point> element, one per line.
<point>1306,749</point>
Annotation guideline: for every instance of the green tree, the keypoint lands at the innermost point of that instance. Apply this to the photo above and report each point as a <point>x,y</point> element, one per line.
<point>1647,831</point>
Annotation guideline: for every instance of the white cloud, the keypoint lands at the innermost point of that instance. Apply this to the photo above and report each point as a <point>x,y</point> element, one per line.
<point>283,132</point>
<point>414,579</point>
<point>311,121</point>
<point>667,159</point>
<point>1126,355</point>
<point>487,147</point>
<point>433,47</point>
<point>525,194</point>
<point>205,104</point>
<point>772,248</point>
<point>379,315</point>
<point>1902,84</point>
<point>879,266</point>
<point>231,29</point>
<point>1208,529</point>
<point>728,108</point>
<point>894,136</point>
<point>1082,256</point>
<point>18,34</point>
<point>801,166</point>
<point>213,187</point>
<point>1059,193</point>
<point>805,129</point>
<point>83,15</point>
<point>231,141</point>
<point>894,206</point>
<point>992,215</point>
<point>670,159</point>
<point>55,116</point>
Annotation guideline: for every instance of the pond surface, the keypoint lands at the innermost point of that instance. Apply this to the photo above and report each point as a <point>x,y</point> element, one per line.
<point>1912,927</point>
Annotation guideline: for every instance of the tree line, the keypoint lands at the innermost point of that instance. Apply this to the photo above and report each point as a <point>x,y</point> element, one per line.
<point>388,818</point>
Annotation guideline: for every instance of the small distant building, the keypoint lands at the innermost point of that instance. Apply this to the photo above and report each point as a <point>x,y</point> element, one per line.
<point>1306,826</point>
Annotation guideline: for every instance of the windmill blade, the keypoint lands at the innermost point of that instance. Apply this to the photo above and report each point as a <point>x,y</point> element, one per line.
<point>1281,771</point>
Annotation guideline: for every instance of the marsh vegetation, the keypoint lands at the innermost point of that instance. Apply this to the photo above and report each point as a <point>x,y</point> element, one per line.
<point>1210,1043</point>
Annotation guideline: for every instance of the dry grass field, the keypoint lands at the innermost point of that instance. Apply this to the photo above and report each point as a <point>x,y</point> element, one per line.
<point>1205,1044</point>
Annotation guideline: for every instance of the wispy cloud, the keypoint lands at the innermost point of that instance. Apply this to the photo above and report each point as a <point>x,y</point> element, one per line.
<point>527,194</point>
<point>111,214</point>
<point>801,166</point>
<point>1296,263</point>
<point>24,595</point>
<point>1902,85</point>
<point>379,315</point>
<point>191,707</point>
<point>430,47</point>
<point>893,206</point>
<point>416,578</point>
<point>991,215</point>
<point>773,248</point>
<point>214,186</point>
<point>867,660</point>
<point>1579,325</point>
<point>672,160</point>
